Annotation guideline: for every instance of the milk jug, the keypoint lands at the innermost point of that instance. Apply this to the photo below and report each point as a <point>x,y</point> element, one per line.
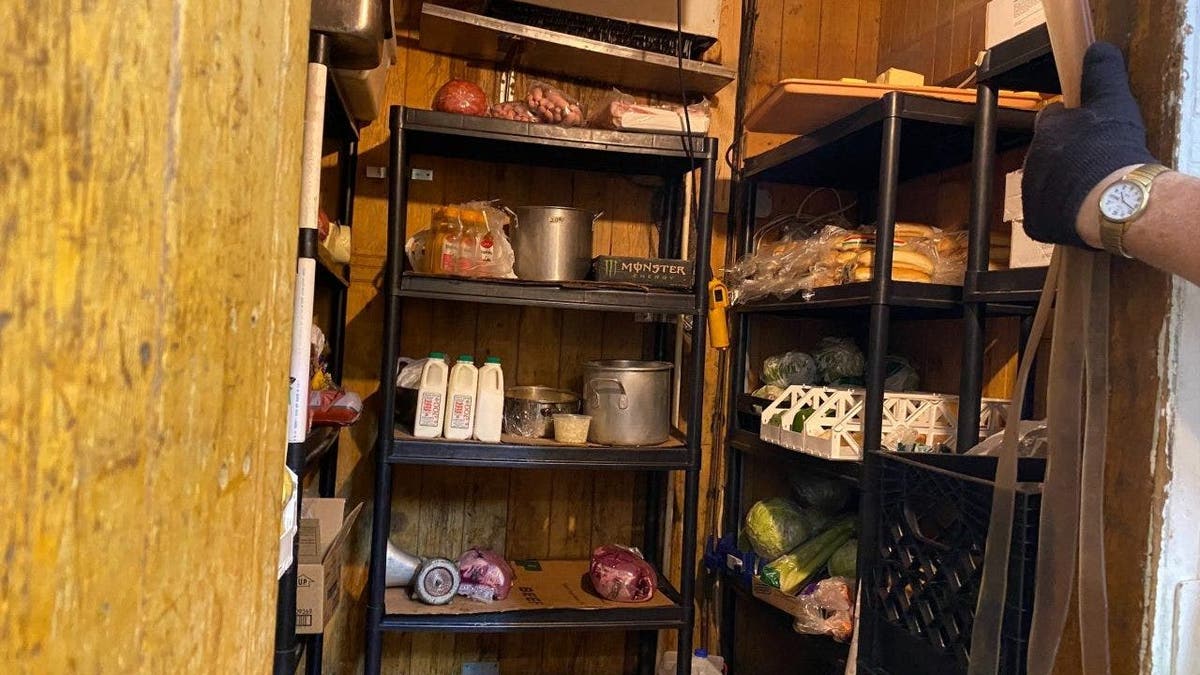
<point>489,401</point>
<point>460,399</point>
<point>431,397</point>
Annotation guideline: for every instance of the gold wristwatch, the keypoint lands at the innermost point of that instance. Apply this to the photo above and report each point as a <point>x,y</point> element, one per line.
<point>1124,202</point>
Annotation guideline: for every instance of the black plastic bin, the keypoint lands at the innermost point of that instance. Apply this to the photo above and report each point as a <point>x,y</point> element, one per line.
<point>934,513</point>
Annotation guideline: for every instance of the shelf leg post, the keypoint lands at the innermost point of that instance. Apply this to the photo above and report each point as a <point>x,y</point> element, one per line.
<point>970,389</point>
<point>382,503</point>
<point>877,344</point>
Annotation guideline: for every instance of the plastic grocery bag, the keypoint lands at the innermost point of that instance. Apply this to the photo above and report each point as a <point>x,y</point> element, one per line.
<point>826,607</point>
<point>789,368</point>
<point>825,494</point>
<point>839,358</point>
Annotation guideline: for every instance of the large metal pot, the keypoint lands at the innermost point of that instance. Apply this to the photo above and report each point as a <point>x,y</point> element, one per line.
<point>529,411</point>
<point>552,243</point>
<point>629,401</point>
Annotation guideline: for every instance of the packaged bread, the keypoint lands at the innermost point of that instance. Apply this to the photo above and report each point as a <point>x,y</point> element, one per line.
<point>902,258</point>
<point>898,274</point>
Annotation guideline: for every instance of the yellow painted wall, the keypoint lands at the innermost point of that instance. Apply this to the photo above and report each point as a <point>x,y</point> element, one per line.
<point>149,173</point>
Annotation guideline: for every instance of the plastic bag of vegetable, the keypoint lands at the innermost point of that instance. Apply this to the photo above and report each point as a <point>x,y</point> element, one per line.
<point>789,368</point>
<point>788,572</point>
<point>620,573</point>
<point>777,525</point>
<point>844,561</point>
<point>826,494</point>
<point>839,358</point>
<point>901,375</point>
<point>826,608</point>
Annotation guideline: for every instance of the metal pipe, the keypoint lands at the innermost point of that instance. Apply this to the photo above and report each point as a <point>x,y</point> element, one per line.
<point>970,388</point>
<point>382,503</point>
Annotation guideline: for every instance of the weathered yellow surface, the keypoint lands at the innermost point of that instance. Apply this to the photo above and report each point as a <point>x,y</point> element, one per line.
<point>149,173</point>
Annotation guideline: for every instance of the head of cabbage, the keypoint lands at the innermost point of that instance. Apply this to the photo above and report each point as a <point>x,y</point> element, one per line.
<point>777,525</point>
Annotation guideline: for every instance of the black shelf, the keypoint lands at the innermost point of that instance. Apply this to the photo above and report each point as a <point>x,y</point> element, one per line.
<point>1017,285</point>
<point>1023,63</point>
<point>319,440</point>
<point>330,269</point>
<point>406,449</point>
<point>589,295</point>
<point>627,617</point>
<point>938,300</point>
<point>936,135</point>
<point>749,443</point>
<point>429,132</point>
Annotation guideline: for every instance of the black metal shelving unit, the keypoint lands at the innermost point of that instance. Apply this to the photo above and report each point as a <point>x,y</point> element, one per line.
<point>899,137</point>
<point>666,155</point>
<point>318,453</point>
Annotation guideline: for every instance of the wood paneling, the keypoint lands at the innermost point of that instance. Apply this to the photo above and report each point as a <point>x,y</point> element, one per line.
<point>145,299</point>
<point>937,38</point>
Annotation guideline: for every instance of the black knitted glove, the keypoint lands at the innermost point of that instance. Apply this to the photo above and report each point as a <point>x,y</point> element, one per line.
<point>1073,150</point>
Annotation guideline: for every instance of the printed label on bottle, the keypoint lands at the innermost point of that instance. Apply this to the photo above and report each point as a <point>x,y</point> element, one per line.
<point>486,251</point>
<point>430,412</point>
<point>460,411</point>
<point>449,257</point>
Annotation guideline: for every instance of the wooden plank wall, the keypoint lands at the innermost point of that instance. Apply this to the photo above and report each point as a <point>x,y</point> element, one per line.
<point>151,192</point>
<point>937,38</point>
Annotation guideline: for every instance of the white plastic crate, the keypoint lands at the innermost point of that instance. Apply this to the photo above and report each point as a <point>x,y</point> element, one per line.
<point>834,429</point>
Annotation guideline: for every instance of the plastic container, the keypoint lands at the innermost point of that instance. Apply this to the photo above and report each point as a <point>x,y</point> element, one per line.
<point>447,241</point>
<point>702,663</point>
<point>460,399</point>
<point>431,397</point>
<point>489,401</point>
<point>572,429</point>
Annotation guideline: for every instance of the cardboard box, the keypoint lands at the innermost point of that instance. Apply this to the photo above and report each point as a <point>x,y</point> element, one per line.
<point>1007,19</point>
<point>322,547</point>
<point>660,272</point>
<point>900,78</point>
<point>775,597</point>
<point>1024,251</point>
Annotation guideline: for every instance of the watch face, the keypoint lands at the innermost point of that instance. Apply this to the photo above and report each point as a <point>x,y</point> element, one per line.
<point>1122,200</point>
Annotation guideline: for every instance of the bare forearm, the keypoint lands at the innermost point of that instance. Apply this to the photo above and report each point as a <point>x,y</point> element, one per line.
<point>1167,235</point>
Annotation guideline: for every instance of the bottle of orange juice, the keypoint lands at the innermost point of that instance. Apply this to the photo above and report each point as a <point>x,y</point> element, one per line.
<point>447,240</point>
<point>468,243</point>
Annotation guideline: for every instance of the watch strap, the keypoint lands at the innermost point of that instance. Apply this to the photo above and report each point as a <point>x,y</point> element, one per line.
<point>1112,232</point>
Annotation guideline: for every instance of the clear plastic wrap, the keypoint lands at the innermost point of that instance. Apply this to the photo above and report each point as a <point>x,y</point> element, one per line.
<point>1031,441</point>
<point>481,248</point>
<point>621,111</point>
<point>914,260</point>
<point>826,607</point>
<point>768,391</point>
<point>795,261</point>
<point>789,368</point>
<point>900,374</point>
<point>486,575</point>
<point>517,111</point>
<point>777,525</point>
<point>552,106</point>
<point>621,574</point>
<point>825,494</point>
<point>839,358</point>
<point>951,258</point>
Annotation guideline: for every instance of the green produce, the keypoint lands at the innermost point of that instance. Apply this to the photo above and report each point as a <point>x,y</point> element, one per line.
<point>800,418</point>
<point>789,572</point>
<point>844,561</point>
<point>839,358</point>
<point>826,494</point>
<point>777,525</point>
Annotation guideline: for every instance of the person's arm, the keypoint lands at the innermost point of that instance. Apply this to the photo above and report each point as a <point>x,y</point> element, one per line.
<point>1167,235</point>
<point>1077,153</point>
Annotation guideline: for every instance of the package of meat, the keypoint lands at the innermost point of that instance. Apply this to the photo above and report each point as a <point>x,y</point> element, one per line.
<point>552,106</point>
<point>486,575</point>
<point>460,96</point>
<point>621,574</point>
<point>516,111</point>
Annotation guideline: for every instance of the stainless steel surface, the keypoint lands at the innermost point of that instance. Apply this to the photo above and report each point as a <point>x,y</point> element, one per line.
<point>529,411</point>
<point>477,37</point>
<point>355,28</point>
<point>552,243</point>
<point>401,566</point>
<point>629,401</point>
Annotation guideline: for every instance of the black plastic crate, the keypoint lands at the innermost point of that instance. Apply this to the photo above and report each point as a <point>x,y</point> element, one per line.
<point>934,512</point>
